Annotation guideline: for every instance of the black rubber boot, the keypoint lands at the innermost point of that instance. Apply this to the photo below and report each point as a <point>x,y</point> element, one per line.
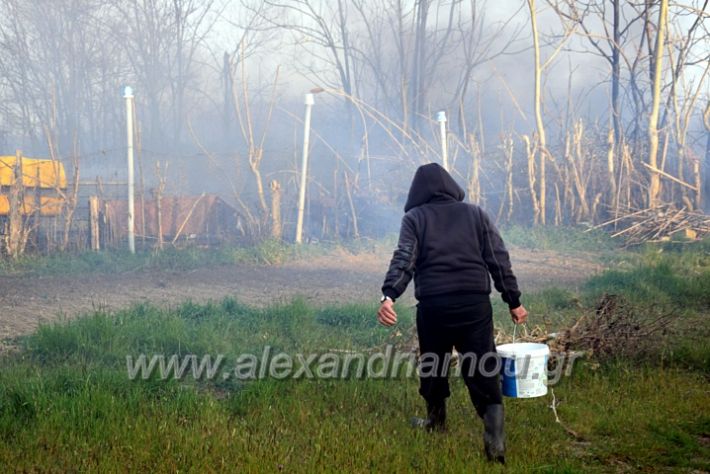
<point>435,420</point>
<point>493,435</point>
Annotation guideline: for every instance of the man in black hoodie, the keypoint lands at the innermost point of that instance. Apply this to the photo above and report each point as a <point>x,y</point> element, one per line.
<point>452,249</point>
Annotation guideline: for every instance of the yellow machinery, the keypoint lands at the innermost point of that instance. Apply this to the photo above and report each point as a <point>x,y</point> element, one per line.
<point>42,180</point>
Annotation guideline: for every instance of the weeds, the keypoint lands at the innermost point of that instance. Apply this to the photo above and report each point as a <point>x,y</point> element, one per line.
<point>268,252</point>
<point>66,403</point>
<point>559,238</point>
<point>660,274</point>
<point>275,252</point>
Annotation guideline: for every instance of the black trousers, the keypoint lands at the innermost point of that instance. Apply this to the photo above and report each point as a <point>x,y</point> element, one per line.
<point>468,328</point>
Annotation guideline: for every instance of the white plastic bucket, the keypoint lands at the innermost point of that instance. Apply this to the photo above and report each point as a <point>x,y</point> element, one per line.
<point>524,369</point>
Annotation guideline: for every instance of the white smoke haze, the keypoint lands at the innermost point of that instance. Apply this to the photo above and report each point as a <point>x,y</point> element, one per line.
<point>220,81</point>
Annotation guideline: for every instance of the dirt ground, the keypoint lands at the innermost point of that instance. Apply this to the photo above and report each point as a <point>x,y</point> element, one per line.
<point>26,302</point>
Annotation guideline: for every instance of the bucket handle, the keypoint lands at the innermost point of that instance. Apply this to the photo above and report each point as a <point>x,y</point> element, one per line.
<point>515,327</point>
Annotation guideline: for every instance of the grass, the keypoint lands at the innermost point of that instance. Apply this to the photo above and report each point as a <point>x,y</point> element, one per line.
<point>73,421</point>
<point>665,278</point>
<point>268,252</point>
<point>66,403</point>
<point>120,261</point>
<point>663,274</point>
<point>348,427</point>
<point>543,238</point>
<point>559,238</point>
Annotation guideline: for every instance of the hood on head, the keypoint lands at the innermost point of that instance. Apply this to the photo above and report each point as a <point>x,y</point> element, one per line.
<point>432,182</point>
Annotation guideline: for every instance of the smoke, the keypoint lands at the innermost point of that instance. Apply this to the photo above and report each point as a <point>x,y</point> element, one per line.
<point>217,81</point>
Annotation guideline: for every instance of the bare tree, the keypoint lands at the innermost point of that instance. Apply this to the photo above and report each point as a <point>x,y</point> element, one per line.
<point>161,39</point>
<point>609,43</point>
<point>324,24</point>
<point>654,189</point>
<point>539,122</point>
<point>57,70</point>
<point>705,168</point>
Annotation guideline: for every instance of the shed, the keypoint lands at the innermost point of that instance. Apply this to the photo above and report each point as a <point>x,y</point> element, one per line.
<point>206,219</point>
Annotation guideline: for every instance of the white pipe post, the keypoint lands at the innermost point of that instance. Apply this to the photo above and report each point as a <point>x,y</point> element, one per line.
<point>441,118</point>
<point>128,95</point>
<point>304,168</point>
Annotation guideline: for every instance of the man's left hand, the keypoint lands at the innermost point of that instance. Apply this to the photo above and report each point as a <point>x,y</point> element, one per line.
<point>519,314</point>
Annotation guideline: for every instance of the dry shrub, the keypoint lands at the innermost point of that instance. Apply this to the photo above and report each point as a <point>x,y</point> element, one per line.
<point>662,223</point>
<point>616,329</point>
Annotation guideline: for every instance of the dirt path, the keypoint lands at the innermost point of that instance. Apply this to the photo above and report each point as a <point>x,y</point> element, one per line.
<point>26,302</point>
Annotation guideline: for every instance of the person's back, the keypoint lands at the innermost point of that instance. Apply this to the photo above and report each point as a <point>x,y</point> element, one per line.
<point>452,249</point>
<point>452,245</point>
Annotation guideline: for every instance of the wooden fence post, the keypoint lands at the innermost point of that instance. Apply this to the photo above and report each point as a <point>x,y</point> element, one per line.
<point>94,234</point>
<point>37,209</point>
<point>276,225</point>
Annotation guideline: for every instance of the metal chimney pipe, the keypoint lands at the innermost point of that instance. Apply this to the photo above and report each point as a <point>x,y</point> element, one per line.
<point>441,118</point>
<point>304,168</point>
<point>128,95</point>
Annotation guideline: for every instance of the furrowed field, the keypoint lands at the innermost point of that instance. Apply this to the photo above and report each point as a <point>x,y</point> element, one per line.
<point>67,403</point>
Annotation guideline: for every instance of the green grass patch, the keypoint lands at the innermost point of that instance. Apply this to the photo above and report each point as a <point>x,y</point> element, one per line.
<point>66,403</point>
<point>677,275</point>
<point>558,238</point>
<point>268,252</point>
<point>120,261</point>
<point>274,252</point>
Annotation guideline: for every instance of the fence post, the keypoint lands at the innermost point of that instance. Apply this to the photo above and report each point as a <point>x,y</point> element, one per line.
<point>37,209</point>
<point>94,235</point>
<point>276,225</point>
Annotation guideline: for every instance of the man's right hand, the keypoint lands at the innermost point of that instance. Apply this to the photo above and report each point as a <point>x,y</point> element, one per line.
<point>387,316</point>
<point>519,314</point>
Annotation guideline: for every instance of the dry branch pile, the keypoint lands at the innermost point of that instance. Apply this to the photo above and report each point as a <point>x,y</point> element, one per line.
<point>615,329</point>
<point>524,334</point>
<point>659,224</point>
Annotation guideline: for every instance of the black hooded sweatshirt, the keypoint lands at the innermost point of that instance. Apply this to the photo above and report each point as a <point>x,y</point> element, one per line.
<point>448,246</point>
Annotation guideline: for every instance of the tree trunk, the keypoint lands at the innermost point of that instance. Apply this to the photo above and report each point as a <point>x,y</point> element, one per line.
<point>474,185</point>
<point>353,212</point>
<point>704,173</point>
<point>654,189</point>
<point>542,139</point>
<point>417,98</point>
<point>616,77</point>
<point>530,149</point>
<point>14,245</point>
<point>610,164</point>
